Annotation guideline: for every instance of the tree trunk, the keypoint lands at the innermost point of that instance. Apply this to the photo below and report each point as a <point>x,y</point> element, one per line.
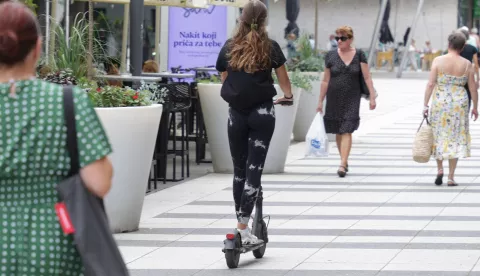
<point>90,40</point>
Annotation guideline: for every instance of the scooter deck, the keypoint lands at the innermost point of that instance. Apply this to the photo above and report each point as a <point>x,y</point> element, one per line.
<point>248,248</point>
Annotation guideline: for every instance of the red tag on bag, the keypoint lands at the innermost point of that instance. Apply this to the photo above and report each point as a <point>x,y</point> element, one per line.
<point>64,218</point>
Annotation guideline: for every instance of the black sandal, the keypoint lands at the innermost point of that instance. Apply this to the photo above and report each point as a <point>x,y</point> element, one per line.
<point>439,179</point>
<point>342,173</point>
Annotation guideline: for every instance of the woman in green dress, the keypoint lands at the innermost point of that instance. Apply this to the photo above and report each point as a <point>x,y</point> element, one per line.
<point>33,154</point>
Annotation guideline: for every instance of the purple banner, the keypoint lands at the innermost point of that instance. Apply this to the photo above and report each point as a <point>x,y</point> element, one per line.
<point>195,36</point>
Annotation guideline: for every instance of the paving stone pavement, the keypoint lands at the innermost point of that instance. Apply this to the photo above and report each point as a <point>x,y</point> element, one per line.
<point>385,218</point>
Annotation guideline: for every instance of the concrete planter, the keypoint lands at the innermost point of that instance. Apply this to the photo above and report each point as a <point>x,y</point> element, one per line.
<point>132,132</point>
<point>215,113</point>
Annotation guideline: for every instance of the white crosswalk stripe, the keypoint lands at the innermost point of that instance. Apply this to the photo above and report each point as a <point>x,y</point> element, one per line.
<point>385,218</point>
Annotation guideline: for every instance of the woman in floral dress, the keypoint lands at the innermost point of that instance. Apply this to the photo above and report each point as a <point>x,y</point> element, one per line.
<point>449,112</point>
<point>34,157</point>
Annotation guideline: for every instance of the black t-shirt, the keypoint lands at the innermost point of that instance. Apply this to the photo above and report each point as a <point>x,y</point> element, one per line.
<point>468,52</point>
<point>244,90</point>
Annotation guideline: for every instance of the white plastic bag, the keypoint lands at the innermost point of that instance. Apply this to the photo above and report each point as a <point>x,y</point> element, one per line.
<point>317,139</point>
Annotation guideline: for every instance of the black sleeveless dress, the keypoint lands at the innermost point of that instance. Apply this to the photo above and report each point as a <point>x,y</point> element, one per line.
<point>343,94</point>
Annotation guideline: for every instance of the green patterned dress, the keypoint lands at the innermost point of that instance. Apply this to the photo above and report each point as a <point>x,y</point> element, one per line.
<point>33,160</point>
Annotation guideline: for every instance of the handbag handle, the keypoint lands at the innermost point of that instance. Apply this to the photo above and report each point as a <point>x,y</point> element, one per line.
<point>72,145</point>
<point>425,118</point>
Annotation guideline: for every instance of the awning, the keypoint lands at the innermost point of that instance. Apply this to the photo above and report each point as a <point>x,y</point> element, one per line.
<point>232,3</point>
<point>175,3</point>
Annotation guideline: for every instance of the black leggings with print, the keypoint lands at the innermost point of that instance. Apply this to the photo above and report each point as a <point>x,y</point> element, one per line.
<point>249,134</point>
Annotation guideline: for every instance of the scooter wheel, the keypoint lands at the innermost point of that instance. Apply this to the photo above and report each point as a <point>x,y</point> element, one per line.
<point>261,233</point>
<point>232,256</point>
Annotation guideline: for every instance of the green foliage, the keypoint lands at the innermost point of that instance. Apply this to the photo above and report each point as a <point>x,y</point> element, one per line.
<point>63,77</point>
<point>299,80</point>
<point>159,93</point>
<point>212,79</point>
<point>114,96</point>
<point>308,60</point>
<point>30,4</point>
<point>302,81</point>
<point>72,54</point>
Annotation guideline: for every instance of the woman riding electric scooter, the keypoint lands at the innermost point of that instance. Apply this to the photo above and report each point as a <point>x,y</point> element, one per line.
<point>246,62</point>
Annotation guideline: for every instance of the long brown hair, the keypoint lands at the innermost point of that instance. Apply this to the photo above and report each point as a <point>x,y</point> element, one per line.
<point>250,47</point>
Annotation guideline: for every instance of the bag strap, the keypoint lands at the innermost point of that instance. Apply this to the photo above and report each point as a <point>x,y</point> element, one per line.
<point>425,118</point>
<point>357,54</point>
<point>72,145</point>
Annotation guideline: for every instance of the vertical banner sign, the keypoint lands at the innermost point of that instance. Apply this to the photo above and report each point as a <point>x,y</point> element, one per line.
<point>195,36</point>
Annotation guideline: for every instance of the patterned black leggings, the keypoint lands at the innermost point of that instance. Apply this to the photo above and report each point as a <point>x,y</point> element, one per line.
<point>249,134</point>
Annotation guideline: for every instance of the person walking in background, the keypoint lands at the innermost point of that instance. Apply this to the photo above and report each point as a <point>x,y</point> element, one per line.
<point>470,53</point>
<point>412,55</point>
<point>311,39</point>
<point>292,46</point>
<point>332,44</point>
<point>428,49</point>
<point>472,40</point>
<point>34,156</point>
<point>341,85</point>
<point>449,115</point>
<point>474,34</point>
<point>246,62</point>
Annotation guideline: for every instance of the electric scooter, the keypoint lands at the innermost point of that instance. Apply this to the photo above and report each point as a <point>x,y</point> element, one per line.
<point>233,243</point>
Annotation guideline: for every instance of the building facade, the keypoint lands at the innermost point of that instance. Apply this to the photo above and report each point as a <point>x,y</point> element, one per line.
<point>438,19</point>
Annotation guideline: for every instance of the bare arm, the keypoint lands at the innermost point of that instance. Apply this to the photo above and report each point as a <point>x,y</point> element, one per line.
<point>475,62</point>
<point>432,81</point>
<point>98,176</point>
<point>223,76</point>
<point>284,81</point>
<point>324,86</point>
<point>472,86</point>
<point>368,79</point>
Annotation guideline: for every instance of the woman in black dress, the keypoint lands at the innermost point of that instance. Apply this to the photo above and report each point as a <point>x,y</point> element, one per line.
<point>341,84</point>
<point>470,53</point>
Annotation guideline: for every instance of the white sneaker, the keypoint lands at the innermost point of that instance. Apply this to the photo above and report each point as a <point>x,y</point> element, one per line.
<point>248,238</point>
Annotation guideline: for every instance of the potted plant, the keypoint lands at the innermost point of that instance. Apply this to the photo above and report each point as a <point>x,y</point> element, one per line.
<point>71,53</point>
<point>308,63</point>
<point>129,116</point>
<point>131,121</point>
<point>215,114</point>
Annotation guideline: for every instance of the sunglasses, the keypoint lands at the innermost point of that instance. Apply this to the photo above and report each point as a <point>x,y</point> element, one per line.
<point>342,38</point>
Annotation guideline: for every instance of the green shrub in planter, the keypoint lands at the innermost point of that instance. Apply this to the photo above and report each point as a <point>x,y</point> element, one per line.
<point>212,79</point>
<point>308,60</point>
<point>114,96</point>
<point>62,77</point>
<point>299,80</point>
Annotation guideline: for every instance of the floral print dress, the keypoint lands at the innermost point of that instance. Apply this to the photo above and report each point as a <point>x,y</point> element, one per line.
<point>449,118</point>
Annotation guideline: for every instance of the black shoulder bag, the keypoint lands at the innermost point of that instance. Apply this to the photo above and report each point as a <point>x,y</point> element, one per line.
<point>83,214</point>
<point>364,91</point>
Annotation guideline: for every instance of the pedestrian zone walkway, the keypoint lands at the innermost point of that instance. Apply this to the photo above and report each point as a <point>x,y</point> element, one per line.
<point>385,218</point>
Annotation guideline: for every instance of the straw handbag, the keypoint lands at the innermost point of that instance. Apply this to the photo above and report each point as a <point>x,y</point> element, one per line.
<point>423,144</point>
